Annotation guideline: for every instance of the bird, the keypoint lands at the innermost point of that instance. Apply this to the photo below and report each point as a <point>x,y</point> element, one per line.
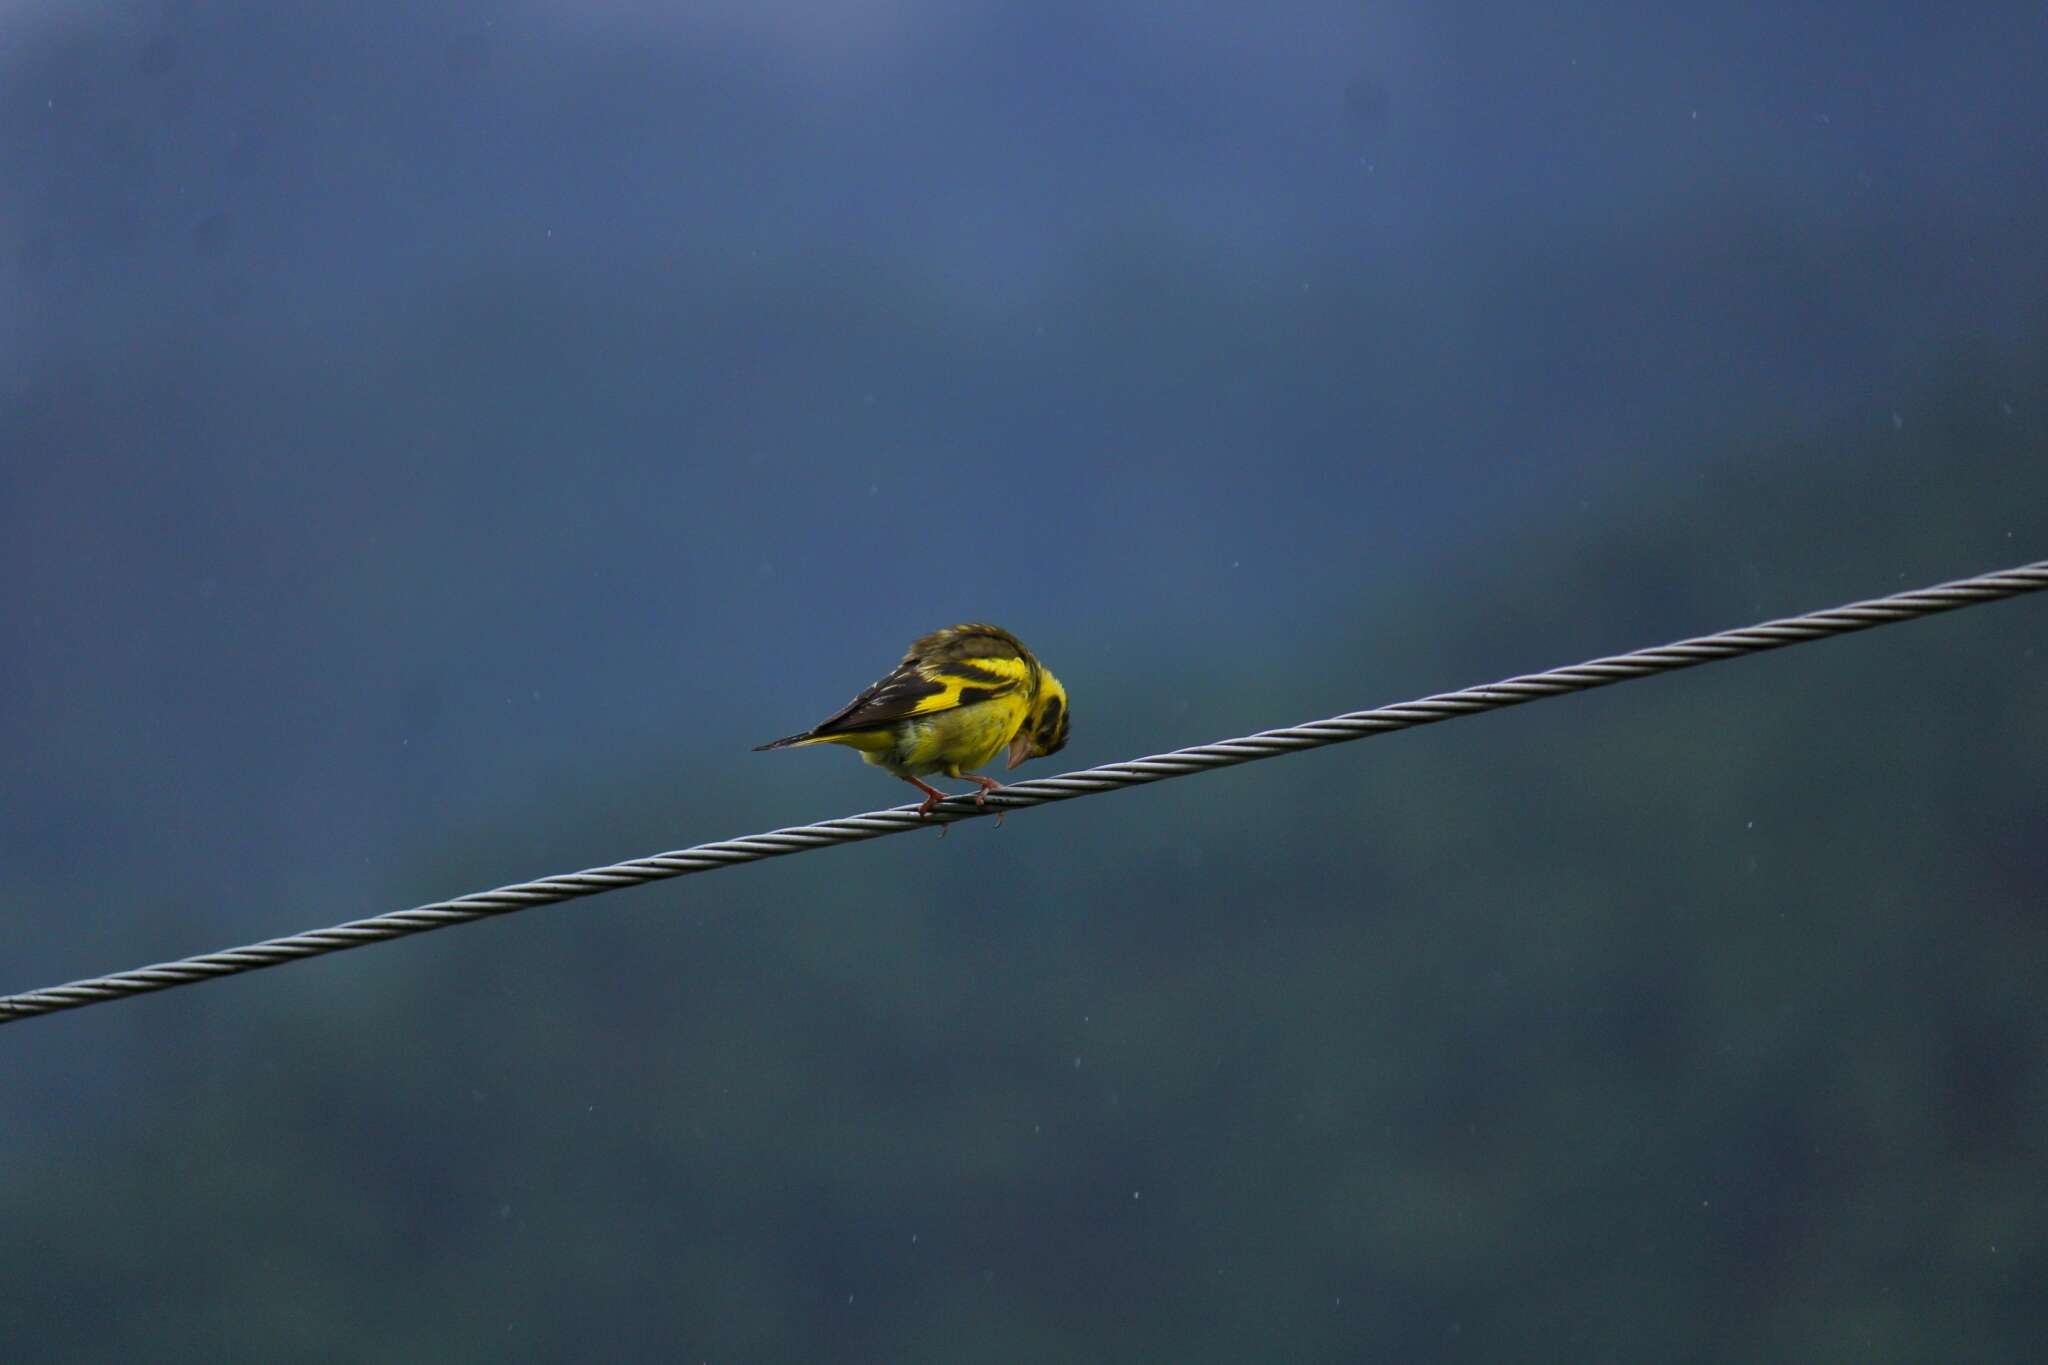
<point>958,697</point>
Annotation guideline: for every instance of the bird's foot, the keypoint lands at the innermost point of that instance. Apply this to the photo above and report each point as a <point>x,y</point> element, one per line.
<point>932,796</point>
<point>988,784</point>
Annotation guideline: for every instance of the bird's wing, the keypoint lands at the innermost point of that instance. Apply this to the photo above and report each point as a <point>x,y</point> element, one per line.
<point>920,686</point>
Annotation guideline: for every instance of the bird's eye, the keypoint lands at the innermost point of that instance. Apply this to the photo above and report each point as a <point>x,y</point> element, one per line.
<point>1051,733</point>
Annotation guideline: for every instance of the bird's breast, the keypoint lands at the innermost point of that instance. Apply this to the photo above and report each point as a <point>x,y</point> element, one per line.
<point>965,737</point>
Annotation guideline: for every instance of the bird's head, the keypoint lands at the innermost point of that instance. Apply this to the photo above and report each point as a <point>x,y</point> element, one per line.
<point>1045,726</point>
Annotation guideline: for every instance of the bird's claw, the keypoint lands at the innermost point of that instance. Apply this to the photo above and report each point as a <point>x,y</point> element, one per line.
<point>931,802</point>
<point>988,785</point>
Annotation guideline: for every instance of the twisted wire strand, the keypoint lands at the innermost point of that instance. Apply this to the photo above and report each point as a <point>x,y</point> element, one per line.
<point>1642,663</point>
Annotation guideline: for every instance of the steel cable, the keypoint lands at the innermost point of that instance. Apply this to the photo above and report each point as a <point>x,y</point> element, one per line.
<point>1582,677</point>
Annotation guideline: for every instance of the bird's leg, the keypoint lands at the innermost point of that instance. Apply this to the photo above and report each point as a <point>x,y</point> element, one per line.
<point>932,796</point>
<point>988,784</point>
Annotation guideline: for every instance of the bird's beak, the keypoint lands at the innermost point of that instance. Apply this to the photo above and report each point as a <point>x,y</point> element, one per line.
<point>1020,748</point>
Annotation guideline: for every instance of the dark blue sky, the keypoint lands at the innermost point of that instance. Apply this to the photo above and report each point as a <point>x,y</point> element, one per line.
<point>438,441</point>
<point>379,378</point>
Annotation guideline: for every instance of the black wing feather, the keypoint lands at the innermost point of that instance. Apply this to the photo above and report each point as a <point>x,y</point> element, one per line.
<point>882,702</point>
<point>896,695</point>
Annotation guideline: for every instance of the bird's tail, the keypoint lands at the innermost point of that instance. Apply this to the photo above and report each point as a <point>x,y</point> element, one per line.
<point>786,742</point>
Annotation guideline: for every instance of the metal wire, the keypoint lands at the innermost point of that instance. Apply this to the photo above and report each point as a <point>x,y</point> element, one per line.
<point>1583,677</point>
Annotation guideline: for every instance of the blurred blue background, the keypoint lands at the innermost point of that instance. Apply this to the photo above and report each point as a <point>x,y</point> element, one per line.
<point>437,441</point>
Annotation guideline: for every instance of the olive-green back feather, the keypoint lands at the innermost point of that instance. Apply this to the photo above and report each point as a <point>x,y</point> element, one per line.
<point>957,666</point>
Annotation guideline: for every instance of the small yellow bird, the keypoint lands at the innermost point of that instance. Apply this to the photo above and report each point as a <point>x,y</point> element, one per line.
<point>959,695</point>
